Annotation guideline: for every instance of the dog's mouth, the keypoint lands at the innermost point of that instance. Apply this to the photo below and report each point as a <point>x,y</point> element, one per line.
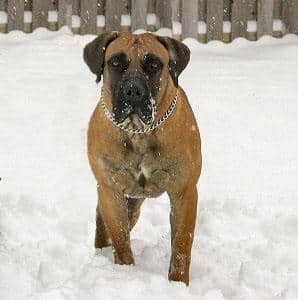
<point>144,112</point>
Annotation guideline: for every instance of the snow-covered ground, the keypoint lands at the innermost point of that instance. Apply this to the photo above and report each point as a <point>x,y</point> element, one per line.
<point>245,97</point>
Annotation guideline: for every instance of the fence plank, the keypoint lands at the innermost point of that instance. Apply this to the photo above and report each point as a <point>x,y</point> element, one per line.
<point>88,16</point>
<point>252,7</point>
<point>290,15</point>
<point>27,5</point>
<point>39,13</point>
<point>277,12</point>
<point>3,5</point>
<point>211,11</point>
<point>227,10</point>
<point>127,6</point>
<point>151,6</point>
<point>101,7</point>
<point>76,5</point>
<point>15,9</point>
<point>202,10</point>
<point>265,17</point>
<point>64,13</point>
<point>189,19</point>
<point>138,14</point>
<point>152,22</point>
<point>239,18</point>
<point>176,16</point>
<point>164,11</point>
<point>113,15</point>
<point>53,5</point>
<point>214,19</point>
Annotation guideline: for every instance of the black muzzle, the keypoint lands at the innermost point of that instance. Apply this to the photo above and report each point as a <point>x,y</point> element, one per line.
<point>132,96</point>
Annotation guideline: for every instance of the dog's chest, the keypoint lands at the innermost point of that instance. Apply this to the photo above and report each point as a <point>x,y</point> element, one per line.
<point>142,167</point>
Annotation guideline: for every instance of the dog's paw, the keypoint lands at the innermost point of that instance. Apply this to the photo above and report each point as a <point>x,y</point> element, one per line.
<point>124,258</point>
<point>178,276</point>
<point>101,242</point>
<point>179,269</point>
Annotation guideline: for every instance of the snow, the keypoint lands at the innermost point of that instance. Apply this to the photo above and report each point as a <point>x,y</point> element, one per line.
<point>177,27</point>
<point>244,96</point>
<point>139,31</point>
<point>125,20</point>
<point>227,25</point>
<point>52,16</point>
<point>101,21</point>
<point>27,16</point>
<point>278,25</point>
<point>151,19</point>
<point>164,32</point>
<point>76,21</point>
<point>3,17</point>
<point>202,27</point>
<point>252,26</point>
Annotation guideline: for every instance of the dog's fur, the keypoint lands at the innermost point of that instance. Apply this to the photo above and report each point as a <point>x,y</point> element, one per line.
<point>130,167</point>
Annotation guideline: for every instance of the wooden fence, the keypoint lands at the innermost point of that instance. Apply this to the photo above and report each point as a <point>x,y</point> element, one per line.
<point>204,20</point>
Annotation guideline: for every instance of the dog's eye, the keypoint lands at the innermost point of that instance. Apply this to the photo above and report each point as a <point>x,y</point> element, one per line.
<point>152,64</point>
<point>118,62</point>
<point>115,63</point>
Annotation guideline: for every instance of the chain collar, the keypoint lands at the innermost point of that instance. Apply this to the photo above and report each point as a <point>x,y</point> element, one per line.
<point>166,115</point>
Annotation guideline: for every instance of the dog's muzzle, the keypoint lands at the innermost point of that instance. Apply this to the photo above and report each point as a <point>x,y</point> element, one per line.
<point>133,97</point>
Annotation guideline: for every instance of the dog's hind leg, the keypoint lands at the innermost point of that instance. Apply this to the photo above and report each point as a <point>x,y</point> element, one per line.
<point>101,235</point>
<point>134,210</point>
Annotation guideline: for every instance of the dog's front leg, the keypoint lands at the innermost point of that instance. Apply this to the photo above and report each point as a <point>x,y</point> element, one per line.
<point>183,218</point>
<point>114,212</point>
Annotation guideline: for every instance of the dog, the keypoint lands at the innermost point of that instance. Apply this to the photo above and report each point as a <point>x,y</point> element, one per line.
<point>143,140</point>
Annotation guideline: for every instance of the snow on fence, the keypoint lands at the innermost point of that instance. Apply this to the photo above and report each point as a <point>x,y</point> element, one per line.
<point>204,20</point>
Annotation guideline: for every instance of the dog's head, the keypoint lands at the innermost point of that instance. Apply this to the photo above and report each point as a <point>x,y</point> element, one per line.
<point>136,69</point>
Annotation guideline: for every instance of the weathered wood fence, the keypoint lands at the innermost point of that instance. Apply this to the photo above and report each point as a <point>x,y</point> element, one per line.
<point>204,20</point>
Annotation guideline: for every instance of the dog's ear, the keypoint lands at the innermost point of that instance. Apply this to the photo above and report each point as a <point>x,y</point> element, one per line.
<point>94,52</point>
<point>179,55</point>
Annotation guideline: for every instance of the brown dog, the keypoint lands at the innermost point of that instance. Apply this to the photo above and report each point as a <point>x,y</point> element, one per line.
<point>143,140</point>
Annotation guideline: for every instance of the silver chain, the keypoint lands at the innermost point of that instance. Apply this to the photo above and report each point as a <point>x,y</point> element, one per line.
<point>166,115</point>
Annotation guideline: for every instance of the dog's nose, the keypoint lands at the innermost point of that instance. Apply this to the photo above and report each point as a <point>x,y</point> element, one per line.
<point>133,91</point>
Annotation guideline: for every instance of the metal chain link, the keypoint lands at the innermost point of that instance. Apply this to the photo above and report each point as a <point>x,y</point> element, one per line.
<point>166,115</point>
